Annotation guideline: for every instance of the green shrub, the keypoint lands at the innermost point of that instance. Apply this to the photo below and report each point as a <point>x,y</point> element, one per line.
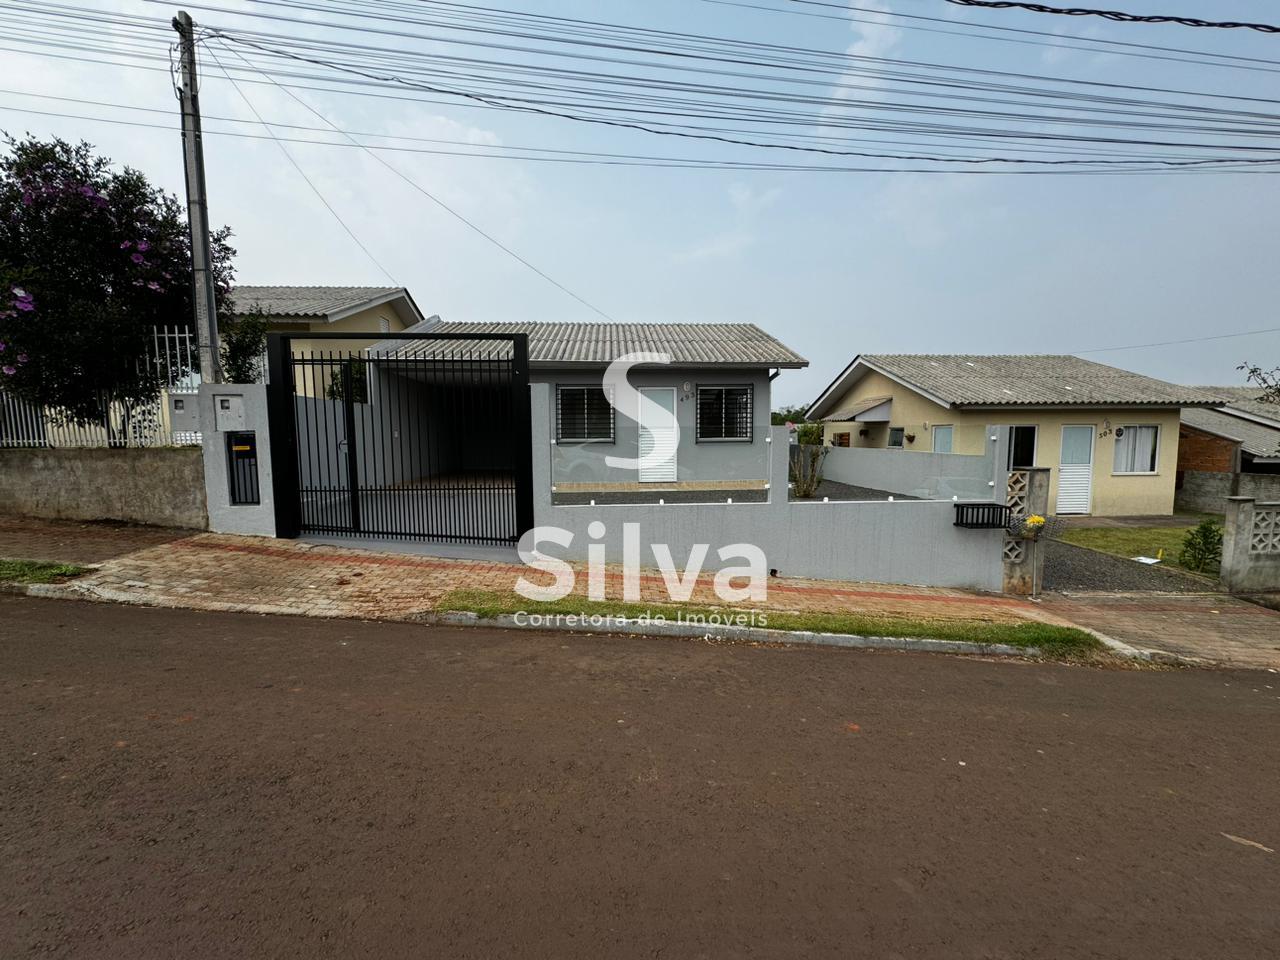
<point>1202,547</point>
<point>809,433</point>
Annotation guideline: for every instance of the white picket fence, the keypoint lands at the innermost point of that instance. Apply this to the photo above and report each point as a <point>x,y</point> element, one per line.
<point>173,354</point>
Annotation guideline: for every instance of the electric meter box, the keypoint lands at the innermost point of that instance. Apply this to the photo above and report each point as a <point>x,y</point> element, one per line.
<point>184,414</point>
<point>228,412</point>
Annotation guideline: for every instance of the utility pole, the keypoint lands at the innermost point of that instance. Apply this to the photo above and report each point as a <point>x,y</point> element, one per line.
<point>206,306</point>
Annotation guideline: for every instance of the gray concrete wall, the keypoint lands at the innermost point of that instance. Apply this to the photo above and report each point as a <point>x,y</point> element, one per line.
<point>1204,491</point>
<point>707,461</point>
<point>257,519</point>
<point>157,485</point>
<point>1251,546</point>
<point>1260,486</point>
<point>914,542</point>
<point>1207,491</point>
<point>929,476</point>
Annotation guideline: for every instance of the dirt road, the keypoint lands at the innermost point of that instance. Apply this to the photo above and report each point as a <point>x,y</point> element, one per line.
<point>220,785</point>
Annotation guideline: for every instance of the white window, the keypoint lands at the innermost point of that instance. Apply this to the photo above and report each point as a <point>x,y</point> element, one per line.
<point>942,439</point>
<point>895,436</point>
<point>1137,448</point>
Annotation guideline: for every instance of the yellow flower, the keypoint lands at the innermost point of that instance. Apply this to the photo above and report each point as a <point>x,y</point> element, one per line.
<point>1035,520</point>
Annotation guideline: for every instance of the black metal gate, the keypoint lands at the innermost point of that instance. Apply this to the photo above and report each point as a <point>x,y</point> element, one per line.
<point>418,436</point>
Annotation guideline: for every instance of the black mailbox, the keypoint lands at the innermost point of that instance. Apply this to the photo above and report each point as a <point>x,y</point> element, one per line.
<point>242,467</point>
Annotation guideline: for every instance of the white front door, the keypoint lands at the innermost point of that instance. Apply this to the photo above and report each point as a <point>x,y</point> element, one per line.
<point>658,435</point>
<point>1075,470</point>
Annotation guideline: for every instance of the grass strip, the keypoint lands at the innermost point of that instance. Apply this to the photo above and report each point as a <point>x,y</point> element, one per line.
<point>35,571</point>
<point>1051,639</point>
<point>1129,542</point>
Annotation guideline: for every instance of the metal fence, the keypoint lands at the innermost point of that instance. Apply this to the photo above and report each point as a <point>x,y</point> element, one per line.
<point>172,355</point>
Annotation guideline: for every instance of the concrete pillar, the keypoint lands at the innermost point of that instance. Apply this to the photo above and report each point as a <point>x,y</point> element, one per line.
<point>236,408</point>
<point>1251,546</point>
<point>1028,495</point>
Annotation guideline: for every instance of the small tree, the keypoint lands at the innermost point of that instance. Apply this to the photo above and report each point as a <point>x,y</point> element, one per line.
<point>806,468</point>
<point>1202,547</point>
<point>91,260</point>
<point>356,371</point>
<point>243,341</point>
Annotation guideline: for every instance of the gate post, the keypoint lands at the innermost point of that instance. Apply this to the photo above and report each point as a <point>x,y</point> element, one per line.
<point>280,417</point>
<point>1028,494</point>
<point>523,429</point>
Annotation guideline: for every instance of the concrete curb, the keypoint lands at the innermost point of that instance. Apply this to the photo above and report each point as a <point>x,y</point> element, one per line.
<point>86,592</point>
<point>740,634</point>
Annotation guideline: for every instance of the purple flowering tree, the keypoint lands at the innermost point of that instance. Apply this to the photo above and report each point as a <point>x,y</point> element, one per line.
<point>92,258</point>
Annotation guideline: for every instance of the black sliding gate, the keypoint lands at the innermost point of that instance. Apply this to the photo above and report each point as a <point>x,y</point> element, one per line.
<point>420,436</point>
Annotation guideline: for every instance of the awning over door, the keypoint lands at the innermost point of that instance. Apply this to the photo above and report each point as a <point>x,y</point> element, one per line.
<point>870,410</point>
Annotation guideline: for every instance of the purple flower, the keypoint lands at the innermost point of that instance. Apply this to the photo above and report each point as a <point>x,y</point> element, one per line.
<point>26,305</point>
<point>136,257</point>
<point>155,286</point>
<point>143,246</point>
<point>9,371</point>
<point>21,294</point>
<point>1,348</point>
<point>28,198</point>
<point>126,245</point>
<point>87,190</point>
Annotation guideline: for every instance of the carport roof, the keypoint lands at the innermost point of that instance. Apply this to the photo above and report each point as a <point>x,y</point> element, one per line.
<point>559,344</point>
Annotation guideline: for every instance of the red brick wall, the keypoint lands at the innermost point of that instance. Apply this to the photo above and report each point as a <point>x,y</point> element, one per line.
<point>1198,450</point>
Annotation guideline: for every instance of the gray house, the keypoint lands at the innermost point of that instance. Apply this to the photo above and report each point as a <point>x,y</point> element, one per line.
<point>694,428</point>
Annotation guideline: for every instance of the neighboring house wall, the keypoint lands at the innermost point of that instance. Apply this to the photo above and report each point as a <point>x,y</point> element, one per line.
<point>731,464</point>
<point>309,338</point>
<point>159,485</point>
<point>1113,494</point>
<point>929,476</point>
<point>906,541</point>
<point>1206,491</point>
<point>1199,450</point>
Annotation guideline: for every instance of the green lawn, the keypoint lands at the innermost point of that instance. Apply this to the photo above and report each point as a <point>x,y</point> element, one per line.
<point>1052,640</point>
<point>1136,541</point>
<point>33,571</point>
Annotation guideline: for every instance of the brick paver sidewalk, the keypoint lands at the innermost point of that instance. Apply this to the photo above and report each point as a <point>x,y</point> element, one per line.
<point>72,541</point>
<point>1209,627</point>
<point>218,572</point>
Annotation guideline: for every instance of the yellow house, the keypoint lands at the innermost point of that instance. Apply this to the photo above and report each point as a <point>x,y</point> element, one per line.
<point>321,310</point>
<point>1109,437</point>
<point>309,313</point>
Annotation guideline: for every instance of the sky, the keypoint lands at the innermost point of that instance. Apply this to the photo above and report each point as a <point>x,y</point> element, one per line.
<point>832,264</point>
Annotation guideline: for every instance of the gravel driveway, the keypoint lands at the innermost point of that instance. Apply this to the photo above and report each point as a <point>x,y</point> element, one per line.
<point>1068,567</point>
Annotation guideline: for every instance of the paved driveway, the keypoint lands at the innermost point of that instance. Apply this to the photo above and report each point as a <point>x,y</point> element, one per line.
<point>181,784</point>
<point>1210,627</point>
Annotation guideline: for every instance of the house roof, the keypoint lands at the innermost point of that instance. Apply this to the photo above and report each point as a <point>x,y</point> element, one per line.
<point>556,344</point>
<point>1256,439</point>
<point>1024,380</point>
<point>309,303</point>
<point>1246,400</point>
<point>853,410</point>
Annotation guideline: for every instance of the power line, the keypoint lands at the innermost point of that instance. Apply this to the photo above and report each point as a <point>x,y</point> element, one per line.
<point>302,173</point>
<point>675,163</point>
<point>444,206</point>
<point>1116,15</point>
<point>1170,343</point>
<point>528,106</point>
